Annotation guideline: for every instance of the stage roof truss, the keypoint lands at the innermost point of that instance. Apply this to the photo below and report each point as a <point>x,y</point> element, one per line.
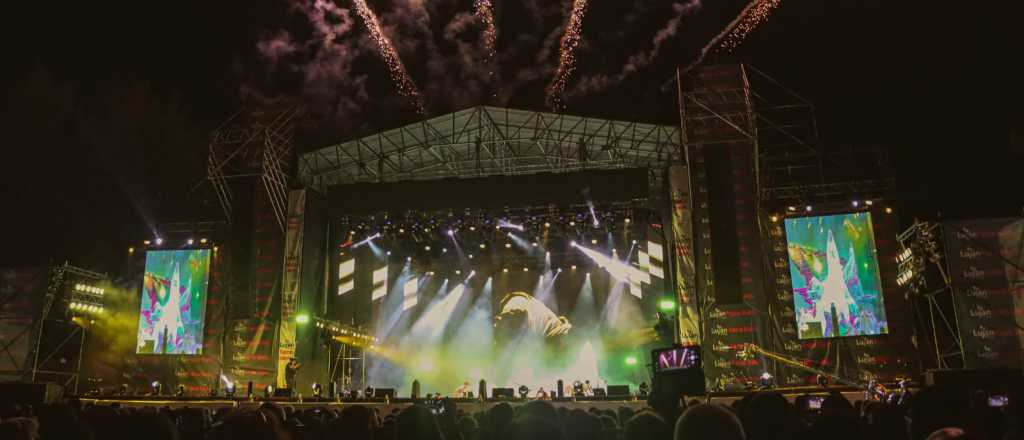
<point>486,141</point>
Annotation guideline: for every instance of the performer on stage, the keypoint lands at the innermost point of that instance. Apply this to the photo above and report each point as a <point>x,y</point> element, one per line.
<point>291,369</point>
<point>587,389</point>
<point>463,390</point>
<point>541,394</point>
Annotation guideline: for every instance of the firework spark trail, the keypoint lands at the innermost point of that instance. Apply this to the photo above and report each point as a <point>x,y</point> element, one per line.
<point>752,16</point>
<point>485,13</point>
<point>399,75</point>
<point>567,58</point>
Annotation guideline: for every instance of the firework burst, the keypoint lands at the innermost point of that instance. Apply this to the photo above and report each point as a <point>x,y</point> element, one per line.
<point>485,13</point>
<point>399,75</point>
<point>567,58</point>
<point>752,16</point>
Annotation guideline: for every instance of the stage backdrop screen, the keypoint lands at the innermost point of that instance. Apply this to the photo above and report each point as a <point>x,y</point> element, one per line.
<point>833,263</point>
<point>172,309</point>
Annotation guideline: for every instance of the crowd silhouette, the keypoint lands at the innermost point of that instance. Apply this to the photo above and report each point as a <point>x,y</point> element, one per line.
<point>933,413</point>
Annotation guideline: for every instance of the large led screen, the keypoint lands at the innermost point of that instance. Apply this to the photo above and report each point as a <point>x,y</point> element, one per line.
<point>833,263</point>
<point>173,304</point>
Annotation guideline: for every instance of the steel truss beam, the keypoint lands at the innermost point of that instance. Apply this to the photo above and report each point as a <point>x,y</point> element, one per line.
<point>254,144</point>
<point>485,141</point>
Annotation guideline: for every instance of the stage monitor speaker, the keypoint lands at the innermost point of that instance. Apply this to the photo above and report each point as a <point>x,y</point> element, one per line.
<point>599,392</point>
<point>507,393</point>
<point>283,392</point>
<point>30,393</point>
<point>381,393</point>
<point>332,390</point>
<point>483,389</point>
<point>415,389</point>
<point>248,390</point>
<point>618,390</point>
<point>561,389</point>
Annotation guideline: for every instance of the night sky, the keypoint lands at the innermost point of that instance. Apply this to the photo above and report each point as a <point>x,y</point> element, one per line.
<point>107,105</point>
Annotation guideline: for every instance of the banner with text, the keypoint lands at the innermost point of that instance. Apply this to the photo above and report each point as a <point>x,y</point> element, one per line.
<point>986,264</point>
<point>290,281</point>
<point>682,235</point>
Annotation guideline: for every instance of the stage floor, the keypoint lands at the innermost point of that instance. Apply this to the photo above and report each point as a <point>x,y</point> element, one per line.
<point>468,405</point>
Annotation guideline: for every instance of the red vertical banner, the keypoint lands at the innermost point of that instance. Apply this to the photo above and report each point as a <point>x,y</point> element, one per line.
<point>290,281</point>
<point>682,233</point>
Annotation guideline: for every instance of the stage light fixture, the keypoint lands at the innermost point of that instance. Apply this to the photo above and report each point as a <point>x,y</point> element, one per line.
<point>190,242</point>
<point>791,208</point>
<point>667,305</point>
<point>470,256</point>
<point>229,390</point>
<point>482,246</point>
<point>572,223</point>
<point>808,208</point>
<point>131,250</point>
<point>146,242</point>
<point>631,360</point>
<point>458,272</point>
<point>534,244</point>
<point>869,202</point>
<point>626,221</point>
<point>302,318</point>
<point>597,223</point>
<point>444,250</point>
<point>508,245</point>
<point>572,243</point>
<point>547,225</point>
<point>408,258</point>
<point>766,380</point>
<point>888,210</point>
<point>159,241</point>
<point>401,230</point>
<point>526,269</point>
<point>202,241</point>
<point>505,270</point>
<point>215,248</point>
<point>547,254</point>
<point>855,203</point>
<point>774,218</point>
<point>426,248</point>
<point>593,241</point>
<point>388,253</point>
<point>573,267</point>
<point>268,392</point>
<point>472,228</point>
<point>559,270</point>
<point>634,241</point>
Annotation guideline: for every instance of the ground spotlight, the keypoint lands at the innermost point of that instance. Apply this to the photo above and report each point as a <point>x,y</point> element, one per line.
<point>593,241</point>
<point>572,243</point>
<point>472,228</point>
<point>888,210</point>
<point>159,241</point>
<point>470,256</point>
<point>572,223</point>
<point>388,253</point>
<point>626,220</point>
<point>547,225</point>
<point>451,232</point>
<point>526,269</point>
<point>791,208</point>
<point>505,270</point>
<point>534,244</point>
<point>573,267</point>
<point>808,208</point>
<point>767,380</point>
<point>318,390</point>
<point>146,242</point>
<point>190,242</point>
<point>869,202</point>
<point>855,203</point>
<point>774,218</point>
<point>482,246</point>
<point>426,248</point>
<point>508,245</point>
<point>458,272</point>
<point>408,258</point>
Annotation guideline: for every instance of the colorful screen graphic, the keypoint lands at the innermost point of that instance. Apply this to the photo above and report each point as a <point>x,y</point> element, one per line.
<point>173,304</point>
<point>833,263</point>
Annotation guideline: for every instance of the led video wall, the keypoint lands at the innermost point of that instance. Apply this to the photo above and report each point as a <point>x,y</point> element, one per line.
<point>833,264</point>
<point>172,308</point>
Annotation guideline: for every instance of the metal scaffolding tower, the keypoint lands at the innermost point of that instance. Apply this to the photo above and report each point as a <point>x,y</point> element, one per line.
<point>254,144</point>
<point>737,103</point>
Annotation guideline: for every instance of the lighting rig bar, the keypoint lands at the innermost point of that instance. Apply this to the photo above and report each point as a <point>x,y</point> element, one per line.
<point>337,329</point>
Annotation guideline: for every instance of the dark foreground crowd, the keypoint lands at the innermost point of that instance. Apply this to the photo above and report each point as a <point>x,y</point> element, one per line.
<point>932,413</point>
